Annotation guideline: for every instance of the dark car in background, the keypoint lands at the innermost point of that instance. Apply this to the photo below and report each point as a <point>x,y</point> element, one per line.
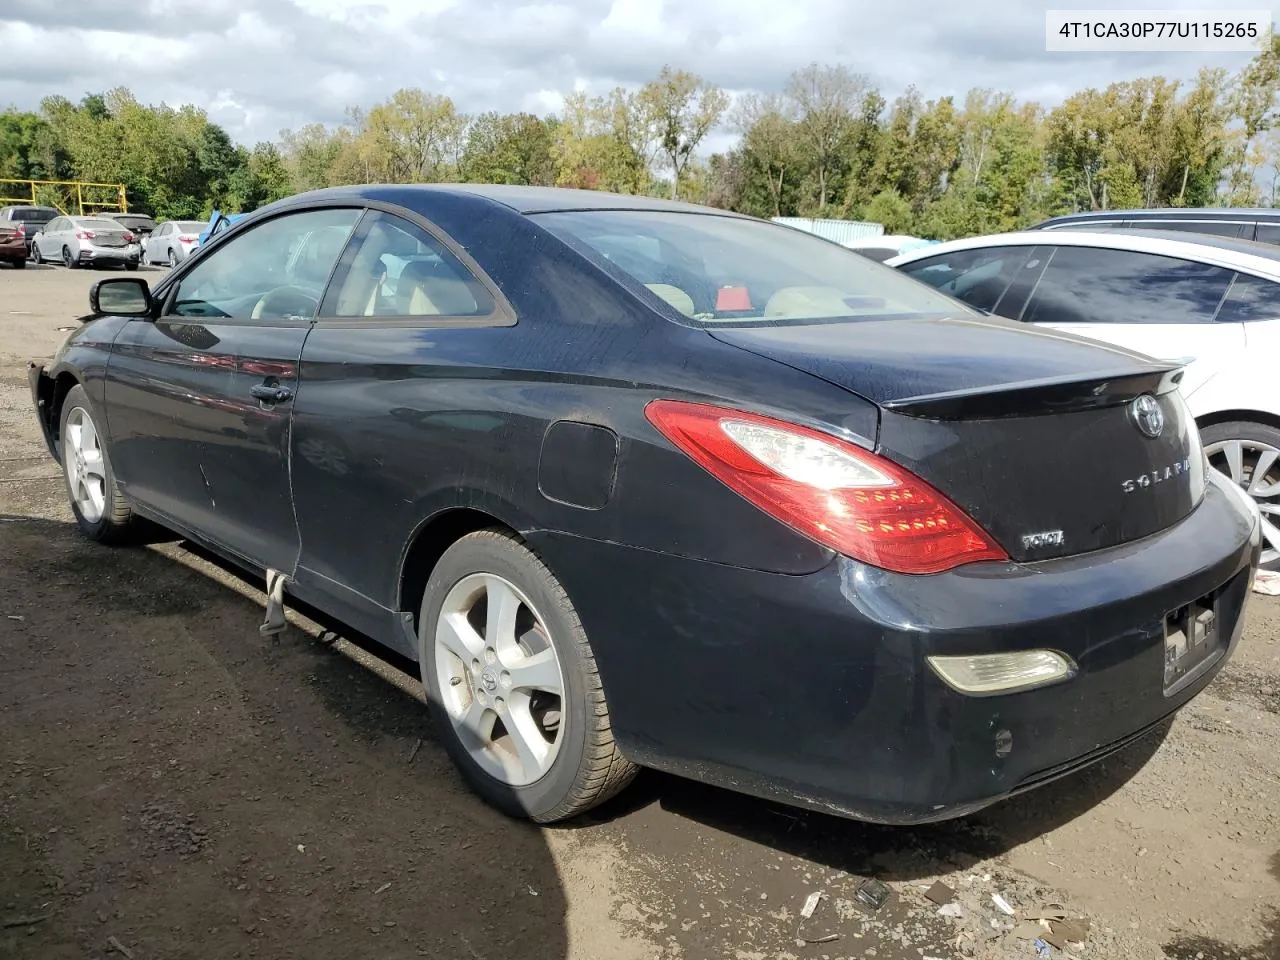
<point>637,482</point>
<point>18,225</point>
<point>1262,224</point>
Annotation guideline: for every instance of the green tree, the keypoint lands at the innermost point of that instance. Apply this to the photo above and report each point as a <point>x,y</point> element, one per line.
<point>683,109</point>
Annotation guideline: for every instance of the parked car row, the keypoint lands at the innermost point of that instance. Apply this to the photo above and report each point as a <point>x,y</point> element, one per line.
<point>46,235</point>
<point>636,482</point>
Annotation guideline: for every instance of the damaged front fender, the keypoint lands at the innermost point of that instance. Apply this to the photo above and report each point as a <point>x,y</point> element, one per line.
<point>42,394</point>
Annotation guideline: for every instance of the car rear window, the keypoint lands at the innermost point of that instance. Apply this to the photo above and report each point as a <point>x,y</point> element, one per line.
<point>191,226</point>
<point>99,224</point>
<point>720,270</point>
<point>33,215</point>
<point>136,223</point>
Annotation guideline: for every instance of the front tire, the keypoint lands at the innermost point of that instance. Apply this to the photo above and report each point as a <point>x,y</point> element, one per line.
<point>100,511</point>
<point>1249,455</point>
<point>512,683</point>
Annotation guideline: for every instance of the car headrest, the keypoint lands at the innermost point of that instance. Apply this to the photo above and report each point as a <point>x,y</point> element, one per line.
<point>674,296</point>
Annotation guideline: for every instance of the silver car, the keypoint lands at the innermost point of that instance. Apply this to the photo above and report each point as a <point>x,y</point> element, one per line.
<point>83,241</point>
<point>172,241</point>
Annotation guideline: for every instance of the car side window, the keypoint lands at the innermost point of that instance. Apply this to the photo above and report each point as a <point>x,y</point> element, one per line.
<point>277,270</point>
<point>1095,285</point>
<point>1249,299</point>
<point>1268,233</point>
<point>1216,228</point>
<point>978,277</point>
<point>400,270</point>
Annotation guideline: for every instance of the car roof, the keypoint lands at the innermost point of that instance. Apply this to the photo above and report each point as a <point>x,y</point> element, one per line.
<point>521,199</point>
<point>1260,259</point>
<point>1172,213</point>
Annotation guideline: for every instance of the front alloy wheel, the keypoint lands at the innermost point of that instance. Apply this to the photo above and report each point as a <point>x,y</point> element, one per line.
<point>1249,454</point>
<point>100,510</point>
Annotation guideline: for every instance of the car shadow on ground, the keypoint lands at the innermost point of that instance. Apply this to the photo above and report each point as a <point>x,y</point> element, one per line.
<point>894,853</point>
<point>172,779</point>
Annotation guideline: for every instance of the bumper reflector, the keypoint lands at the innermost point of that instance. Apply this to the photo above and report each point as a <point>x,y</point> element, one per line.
<point>1003,672</point>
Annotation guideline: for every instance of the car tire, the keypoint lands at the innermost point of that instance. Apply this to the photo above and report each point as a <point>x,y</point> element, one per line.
<point>105,517</point>
<point>581,765</point>
<point>19,264</point>
<point>67,260</point>
<point>1236,448</point>
<point>173,258</point>
<point>131,265</point>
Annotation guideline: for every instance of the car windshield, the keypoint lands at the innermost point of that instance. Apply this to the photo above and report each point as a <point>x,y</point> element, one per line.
<point>720,270</point>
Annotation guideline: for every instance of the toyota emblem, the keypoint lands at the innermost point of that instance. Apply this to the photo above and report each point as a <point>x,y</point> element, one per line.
<point>1147,415</point>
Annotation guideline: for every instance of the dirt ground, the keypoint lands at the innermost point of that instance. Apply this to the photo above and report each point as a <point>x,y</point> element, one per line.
<point>174,785</point>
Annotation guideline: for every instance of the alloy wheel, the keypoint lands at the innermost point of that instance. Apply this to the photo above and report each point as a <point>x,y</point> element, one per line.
<point>1254,466</point>
<point>500,679</point>
<point>85,466</point>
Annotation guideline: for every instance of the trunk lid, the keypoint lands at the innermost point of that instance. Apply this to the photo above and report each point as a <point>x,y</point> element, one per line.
<point>1034,434</point>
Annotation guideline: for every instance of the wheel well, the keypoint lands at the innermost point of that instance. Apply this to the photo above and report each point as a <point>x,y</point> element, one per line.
<point>61,387</point>
<point>1249,416</point>
<point>429,544</point>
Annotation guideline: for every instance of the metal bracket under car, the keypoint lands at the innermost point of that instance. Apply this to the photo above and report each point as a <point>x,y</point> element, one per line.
<point>275,623</point>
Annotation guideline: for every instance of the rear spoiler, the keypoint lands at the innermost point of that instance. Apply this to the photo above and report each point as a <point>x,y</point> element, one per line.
<point>1044,396</point>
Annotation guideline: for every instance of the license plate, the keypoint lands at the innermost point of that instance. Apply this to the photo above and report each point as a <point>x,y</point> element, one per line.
<point>1191,641</point>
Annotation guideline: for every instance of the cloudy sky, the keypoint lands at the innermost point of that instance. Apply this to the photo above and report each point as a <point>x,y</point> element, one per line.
<point>258,66</point>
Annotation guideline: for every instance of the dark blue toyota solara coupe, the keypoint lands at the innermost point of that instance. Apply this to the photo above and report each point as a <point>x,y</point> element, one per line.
<point>640,483</point>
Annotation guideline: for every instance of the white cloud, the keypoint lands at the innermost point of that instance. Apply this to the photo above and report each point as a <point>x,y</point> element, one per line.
<point>260,65</point>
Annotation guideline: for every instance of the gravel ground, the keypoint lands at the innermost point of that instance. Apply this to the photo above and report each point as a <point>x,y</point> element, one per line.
<point>174,785</point>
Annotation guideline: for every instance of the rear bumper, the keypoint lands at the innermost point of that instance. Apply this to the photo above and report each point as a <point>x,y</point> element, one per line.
<point>13,250</point>
<point>814,690</point>
<point>92,254</point>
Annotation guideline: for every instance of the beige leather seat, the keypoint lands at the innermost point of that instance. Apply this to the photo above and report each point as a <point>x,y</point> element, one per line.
<point>807,302</point>
<point>427,289</point>
<point>674,296</point>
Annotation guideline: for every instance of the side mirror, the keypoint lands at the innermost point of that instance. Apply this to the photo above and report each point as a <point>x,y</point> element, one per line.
<point>120,297</point>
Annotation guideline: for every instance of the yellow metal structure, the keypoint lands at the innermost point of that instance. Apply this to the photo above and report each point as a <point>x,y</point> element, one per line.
<point>70,197</point>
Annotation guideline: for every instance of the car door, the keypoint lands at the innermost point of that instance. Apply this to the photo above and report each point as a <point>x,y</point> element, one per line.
<point>153,247</point>
<point>1162,306</point>
<point>381,408</point>
<point>48,242</point>
<point>1251,385</point>
<point>200,399</point>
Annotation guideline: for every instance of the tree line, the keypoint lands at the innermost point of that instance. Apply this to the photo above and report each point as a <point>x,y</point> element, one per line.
<point>829,144</point>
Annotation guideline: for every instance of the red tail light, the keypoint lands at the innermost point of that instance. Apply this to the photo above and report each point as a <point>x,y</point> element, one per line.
<point>22,229</point>
<point>84,234</point>
<point>128,237</point>
<point>187,239</point>
<point>844,497</point>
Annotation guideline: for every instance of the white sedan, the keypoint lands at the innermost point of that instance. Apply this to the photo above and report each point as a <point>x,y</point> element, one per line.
<point>1210,303</point>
